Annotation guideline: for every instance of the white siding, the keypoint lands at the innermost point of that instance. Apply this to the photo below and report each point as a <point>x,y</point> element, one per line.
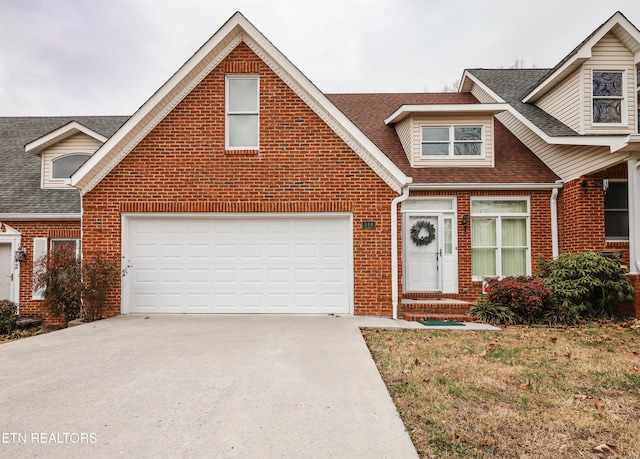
<point>610,54</point>
<point>565,101</point>
<point>443,120</point>
<point>567,161</point>
<point>79,143</point>
<point>403,129</point>
<point>482,95</point>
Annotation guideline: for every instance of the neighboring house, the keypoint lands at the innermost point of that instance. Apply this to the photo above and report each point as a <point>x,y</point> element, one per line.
<point>239,187</point>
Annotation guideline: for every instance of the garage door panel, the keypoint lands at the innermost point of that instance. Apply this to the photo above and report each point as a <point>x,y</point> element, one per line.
<point>275,264</point>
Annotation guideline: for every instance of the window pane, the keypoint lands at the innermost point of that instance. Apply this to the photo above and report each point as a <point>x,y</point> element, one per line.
<point>483,262</point>
<point>514,262</point>
<point>64,167</point>
<point>483,232</point>
<point>448,236</point>
<point>607,111</point>
<point>616,224</point>
<point>514,232</point>
<point>243,130</point>
<point>617,196</point>
<point>435,134</point>
<point>468,133</point>
<point>486,207</point>
<point>435,149</point>
<point>467,149</point>
<point>243,95</point>
<point>607,84</point>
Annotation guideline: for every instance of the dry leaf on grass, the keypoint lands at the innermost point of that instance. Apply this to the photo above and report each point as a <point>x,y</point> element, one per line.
<point>525,385</point>
<point>598,404</point>
<point>605,448</point>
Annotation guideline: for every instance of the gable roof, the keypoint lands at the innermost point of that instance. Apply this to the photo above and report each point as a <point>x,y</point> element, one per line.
<point>514,162</point>
<point>617,24</point>
<point>511,85</point>
<point>236,30</point>
<point>20,175</point>
<point>63,132</point>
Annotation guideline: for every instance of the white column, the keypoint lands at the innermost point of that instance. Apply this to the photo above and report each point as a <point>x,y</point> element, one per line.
<point>634,215</point>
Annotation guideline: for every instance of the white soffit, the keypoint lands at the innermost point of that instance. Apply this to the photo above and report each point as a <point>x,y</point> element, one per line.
<point>406,110</point>
<point>63,132</point>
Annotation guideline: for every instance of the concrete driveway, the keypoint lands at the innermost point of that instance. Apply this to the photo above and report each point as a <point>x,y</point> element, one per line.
<point>198,387</point>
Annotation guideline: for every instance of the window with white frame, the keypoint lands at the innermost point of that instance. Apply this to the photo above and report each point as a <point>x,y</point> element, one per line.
<point>454,141</point>
<point>616,211</point>
<point>71,245</point>
<point>242,112</point>
<point>608,96</point>
<point>499,237</point>
<point>65,166</point>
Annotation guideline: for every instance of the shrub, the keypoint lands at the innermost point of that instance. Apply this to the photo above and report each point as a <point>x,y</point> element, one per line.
<point>58,276</point>
<point>586,284</point>
<point>99,275</point>
<point>491,313</point>
<point>8,317</point>
<point>528,297</point>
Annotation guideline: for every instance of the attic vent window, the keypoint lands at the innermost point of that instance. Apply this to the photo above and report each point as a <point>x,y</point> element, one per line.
<point>452,141</point>
<point>64,167</point>
<point>608,97</point>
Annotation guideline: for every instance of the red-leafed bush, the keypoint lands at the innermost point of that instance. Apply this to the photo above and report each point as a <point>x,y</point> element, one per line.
<point>528,297</point>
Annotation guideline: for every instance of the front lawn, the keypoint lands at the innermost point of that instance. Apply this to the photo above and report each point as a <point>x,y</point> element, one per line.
<point>517,393</point>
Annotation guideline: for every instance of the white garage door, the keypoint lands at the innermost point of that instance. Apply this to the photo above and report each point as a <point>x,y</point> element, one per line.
<point>238,264</point>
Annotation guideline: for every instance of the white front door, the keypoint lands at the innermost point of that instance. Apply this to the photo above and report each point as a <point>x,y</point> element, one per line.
<point>423,253</point>
<point>6,271</point>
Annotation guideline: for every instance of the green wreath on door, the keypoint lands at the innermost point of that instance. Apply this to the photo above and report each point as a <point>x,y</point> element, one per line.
<point>417,230</point>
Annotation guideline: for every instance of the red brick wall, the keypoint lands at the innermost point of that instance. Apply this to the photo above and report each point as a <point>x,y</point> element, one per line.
<point>30,230</point>
<point>302,166</point>
<point>540,223</point>
<point>581,217</point>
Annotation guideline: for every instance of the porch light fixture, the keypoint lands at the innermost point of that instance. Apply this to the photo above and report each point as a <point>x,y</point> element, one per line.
<point>21,254</point>
<point>465,222</point>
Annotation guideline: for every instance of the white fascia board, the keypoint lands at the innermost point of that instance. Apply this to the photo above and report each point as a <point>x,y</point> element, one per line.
<point>39,217</point>
<point>468,76</point>
<point>582,55</point>
<point>406,110</point>
<point>59,134</point>
<point>83,175</point>
<point>484,186</point>
<point>237,24</point>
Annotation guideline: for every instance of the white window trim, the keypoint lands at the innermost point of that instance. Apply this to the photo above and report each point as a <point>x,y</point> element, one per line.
<point>53,160</point>
<point>499,217</point>
<point>240,76</point>
<point>617,240</point>
<point>452,141</point>
<point>624,115</point>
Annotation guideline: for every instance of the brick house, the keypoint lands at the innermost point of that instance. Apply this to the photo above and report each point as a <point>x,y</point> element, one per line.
<point>239,187</point>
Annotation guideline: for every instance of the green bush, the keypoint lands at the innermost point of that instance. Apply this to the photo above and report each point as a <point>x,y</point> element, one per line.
<point>58,276</point>
<point>529,298</point>
<point>585,285</point>
<point>8,317</point>
<point>492,313</point>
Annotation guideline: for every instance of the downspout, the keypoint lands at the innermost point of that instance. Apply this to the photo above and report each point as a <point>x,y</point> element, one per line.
<point>634,228</point>
<point>394,249</point>
<point>555,251</point>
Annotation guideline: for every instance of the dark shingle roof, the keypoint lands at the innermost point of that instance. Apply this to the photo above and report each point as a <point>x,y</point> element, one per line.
<point>513,85</point>
<point>20,190</point>
<point>514,163</point>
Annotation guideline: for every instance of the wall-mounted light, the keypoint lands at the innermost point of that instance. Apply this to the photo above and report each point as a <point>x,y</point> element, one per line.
<point>465,221</point>
<point>21,254</point>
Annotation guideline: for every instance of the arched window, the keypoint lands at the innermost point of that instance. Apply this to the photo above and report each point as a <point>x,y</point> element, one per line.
<point>64,167</point>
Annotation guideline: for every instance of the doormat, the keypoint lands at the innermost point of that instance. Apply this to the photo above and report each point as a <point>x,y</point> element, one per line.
<point>439,323</point>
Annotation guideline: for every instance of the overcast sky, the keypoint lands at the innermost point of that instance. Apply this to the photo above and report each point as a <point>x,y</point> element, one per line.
<point>107,57</point>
